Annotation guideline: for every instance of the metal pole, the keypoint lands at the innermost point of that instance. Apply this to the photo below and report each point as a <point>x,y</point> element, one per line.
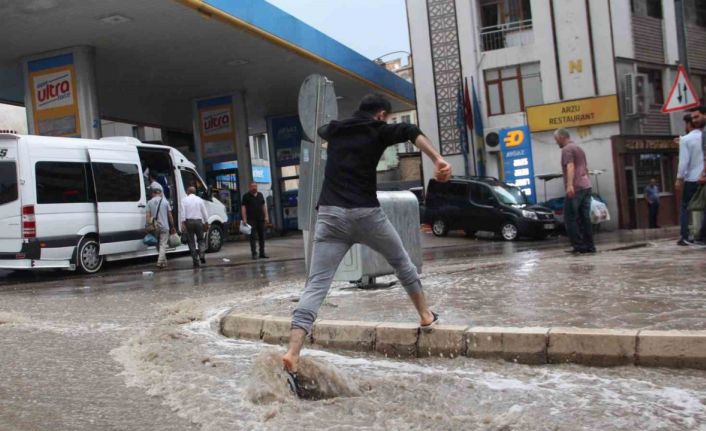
<point>681,34</point>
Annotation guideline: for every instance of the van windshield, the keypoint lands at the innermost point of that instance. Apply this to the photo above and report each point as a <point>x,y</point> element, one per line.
<point>509,195</point>
<point>8,182</point>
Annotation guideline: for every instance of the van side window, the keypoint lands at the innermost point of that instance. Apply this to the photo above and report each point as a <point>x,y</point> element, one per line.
<point>117,182</point>
<point>190,179</point>
<point>63,183</point>
<point>457,192</point>
<point>8,182</point>
<point>481,194</point>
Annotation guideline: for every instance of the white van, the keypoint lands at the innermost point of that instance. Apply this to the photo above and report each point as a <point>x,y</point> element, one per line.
<point>73,203</point>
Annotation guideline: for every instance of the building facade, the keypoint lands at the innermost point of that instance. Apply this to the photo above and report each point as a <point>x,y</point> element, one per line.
<point>537,65</point>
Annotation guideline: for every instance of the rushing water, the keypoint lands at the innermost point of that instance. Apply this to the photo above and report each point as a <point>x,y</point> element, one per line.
<point>221,383</point>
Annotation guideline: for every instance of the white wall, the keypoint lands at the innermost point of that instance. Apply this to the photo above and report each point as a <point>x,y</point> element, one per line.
<point>622,28</point>
<point>13,118</point>
<point>423,76</point>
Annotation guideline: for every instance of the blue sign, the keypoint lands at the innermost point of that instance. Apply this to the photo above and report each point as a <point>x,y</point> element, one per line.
<point>260,174</point>
<point>516,146</point>
<point>287,139</point>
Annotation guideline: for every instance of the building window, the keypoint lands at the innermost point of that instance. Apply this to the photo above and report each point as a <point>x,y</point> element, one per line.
<point>699,82</point>
<point>651,8</point>
<point>512,89</point>
<point>406,119</point>
<point>695,12</point>
<point>655,90</point>
<point>503,23</point>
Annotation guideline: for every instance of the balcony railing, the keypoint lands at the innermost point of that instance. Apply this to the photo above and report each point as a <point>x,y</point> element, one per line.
<point>507,35</point>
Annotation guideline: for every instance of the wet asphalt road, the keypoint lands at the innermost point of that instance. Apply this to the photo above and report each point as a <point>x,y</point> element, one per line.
<point>106,352</point>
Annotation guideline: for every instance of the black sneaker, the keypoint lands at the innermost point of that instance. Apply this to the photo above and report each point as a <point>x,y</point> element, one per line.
<point>264,256</point>
<point>684,243</point>
<point>203,261</point>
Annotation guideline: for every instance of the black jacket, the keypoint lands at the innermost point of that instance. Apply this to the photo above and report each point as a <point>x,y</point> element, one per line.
<point>355,146</point>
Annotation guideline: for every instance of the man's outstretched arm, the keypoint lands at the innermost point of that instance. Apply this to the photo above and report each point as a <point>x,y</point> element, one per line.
<point>442,168</point>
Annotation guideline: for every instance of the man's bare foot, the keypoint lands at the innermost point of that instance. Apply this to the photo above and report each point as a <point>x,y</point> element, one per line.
<point>427,318</point>
<point>290,362</point>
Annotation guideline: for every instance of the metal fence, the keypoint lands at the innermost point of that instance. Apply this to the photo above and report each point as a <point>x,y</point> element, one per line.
<point>507,35</point>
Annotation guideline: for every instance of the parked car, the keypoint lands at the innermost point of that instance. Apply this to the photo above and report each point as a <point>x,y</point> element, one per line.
<point>484,204</point>
<point>73,203</point>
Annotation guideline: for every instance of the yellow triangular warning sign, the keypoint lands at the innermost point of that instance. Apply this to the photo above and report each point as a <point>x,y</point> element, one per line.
<point>682,95</point>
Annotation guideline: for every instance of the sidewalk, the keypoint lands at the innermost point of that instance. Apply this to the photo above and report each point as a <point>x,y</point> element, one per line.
<point>291,247</point>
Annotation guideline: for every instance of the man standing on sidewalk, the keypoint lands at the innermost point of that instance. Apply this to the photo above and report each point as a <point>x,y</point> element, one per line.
<point>194,221</point>
<point>691,168</point>
<point>652,198</point>
<point>349,213</point>
<point>254,213</point>
<point>159,212</point>
<point>577,205</point>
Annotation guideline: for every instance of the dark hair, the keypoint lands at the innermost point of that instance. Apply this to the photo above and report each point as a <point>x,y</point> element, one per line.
<point>701,109</point>
<point>687,119</point>
<point>374,103</point>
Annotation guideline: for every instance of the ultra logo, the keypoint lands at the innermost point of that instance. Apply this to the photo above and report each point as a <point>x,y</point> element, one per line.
<point>53,90</point>
<point>215,122</point>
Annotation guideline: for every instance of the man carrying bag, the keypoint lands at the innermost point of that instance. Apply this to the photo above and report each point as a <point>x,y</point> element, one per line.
<point>160,223</point>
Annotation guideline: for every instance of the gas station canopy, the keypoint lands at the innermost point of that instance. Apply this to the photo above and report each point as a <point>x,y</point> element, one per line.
<point>153,58</point>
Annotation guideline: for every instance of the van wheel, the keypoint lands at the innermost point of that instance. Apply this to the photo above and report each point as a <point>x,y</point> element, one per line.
<point>88,258</point>
<point>215,238</point>
<point>440,227</point>
<point>508,231</point>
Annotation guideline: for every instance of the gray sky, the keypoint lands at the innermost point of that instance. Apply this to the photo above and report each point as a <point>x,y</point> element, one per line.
<point>371,27</point>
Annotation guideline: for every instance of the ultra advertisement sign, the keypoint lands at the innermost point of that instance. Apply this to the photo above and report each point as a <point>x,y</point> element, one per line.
<point>216,126</point>
<point>54,96</point>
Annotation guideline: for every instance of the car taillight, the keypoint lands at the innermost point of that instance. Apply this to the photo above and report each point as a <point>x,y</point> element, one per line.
<point>29,222</point>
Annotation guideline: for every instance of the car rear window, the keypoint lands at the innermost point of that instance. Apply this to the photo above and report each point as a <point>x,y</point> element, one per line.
<point>8,182</point>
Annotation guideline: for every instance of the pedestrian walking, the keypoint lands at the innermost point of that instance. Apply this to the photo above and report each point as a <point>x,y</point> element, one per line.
<point>159,215</point>
<point>194,221</point>
<point>350,213</point>
<point>254,212</point>
<point>652,198</point>
<point>691,168</point>
<point>577,205</point>
<point>698,117</point>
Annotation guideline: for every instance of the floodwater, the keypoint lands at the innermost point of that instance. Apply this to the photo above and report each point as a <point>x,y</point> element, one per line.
<point>125,352</point>
<point>656,286</point>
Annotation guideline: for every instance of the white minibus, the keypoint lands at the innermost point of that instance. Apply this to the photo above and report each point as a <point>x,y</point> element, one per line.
<point>75,203</point>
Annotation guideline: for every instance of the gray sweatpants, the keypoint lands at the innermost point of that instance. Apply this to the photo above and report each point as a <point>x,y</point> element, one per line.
<point>337,229</point>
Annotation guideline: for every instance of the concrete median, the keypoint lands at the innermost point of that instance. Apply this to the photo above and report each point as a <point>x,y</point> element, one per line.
<point>593,347</point>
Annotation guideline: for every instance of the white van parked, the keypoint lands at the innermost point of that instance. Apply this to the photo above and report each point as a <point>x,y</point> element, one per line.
<point>74,203</point>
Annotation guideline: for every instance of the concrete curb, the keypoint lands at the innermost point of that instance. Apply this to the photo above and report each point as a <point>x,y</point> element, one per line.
<point>536,346</point>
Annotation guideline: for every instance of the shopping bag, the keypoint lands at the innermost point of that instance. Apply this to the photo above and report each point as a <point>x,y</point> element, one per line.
<point>150,240</point>
<point>698,202</point>
<point>245,229</point>
<point>599,211</point>
<point>174,240</point>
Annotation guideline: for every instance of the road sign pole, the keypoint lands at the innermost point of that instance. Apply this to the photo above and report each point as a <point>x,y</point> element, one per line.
<point>681,34</point>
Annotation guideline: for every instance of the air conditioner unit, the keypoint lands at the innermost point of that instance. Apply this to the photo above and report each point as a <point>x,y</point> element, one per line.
<point>635,101</point>
<point>491,139</point>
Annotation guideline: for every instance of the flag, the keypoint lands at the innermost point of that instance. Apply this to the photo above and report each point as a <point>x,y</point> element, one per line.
<point>467,108</point>
<point>461,125</point>
<point>478,130</point>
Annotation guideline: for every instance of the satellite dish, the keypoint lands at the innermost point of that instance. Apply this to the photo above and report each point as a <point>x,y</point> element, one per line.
<point>308,98</point>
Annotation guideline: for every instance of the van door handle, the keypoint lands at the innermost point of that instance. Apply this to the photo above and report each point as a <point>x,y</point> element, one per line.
<point>142,206</point>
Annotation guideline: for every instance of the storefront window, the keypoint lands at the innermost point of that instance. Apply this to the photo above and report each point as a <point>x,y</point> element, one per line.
<point>657,166</point>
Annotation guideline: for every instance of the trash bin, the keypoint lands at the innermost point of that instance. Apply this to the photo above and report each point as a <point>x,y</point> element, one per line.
<point>362,265</point>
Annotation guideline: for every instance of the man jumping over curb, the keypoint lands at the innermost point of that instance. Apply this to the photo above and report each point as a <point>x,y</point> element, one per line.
<point>350,213</point>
